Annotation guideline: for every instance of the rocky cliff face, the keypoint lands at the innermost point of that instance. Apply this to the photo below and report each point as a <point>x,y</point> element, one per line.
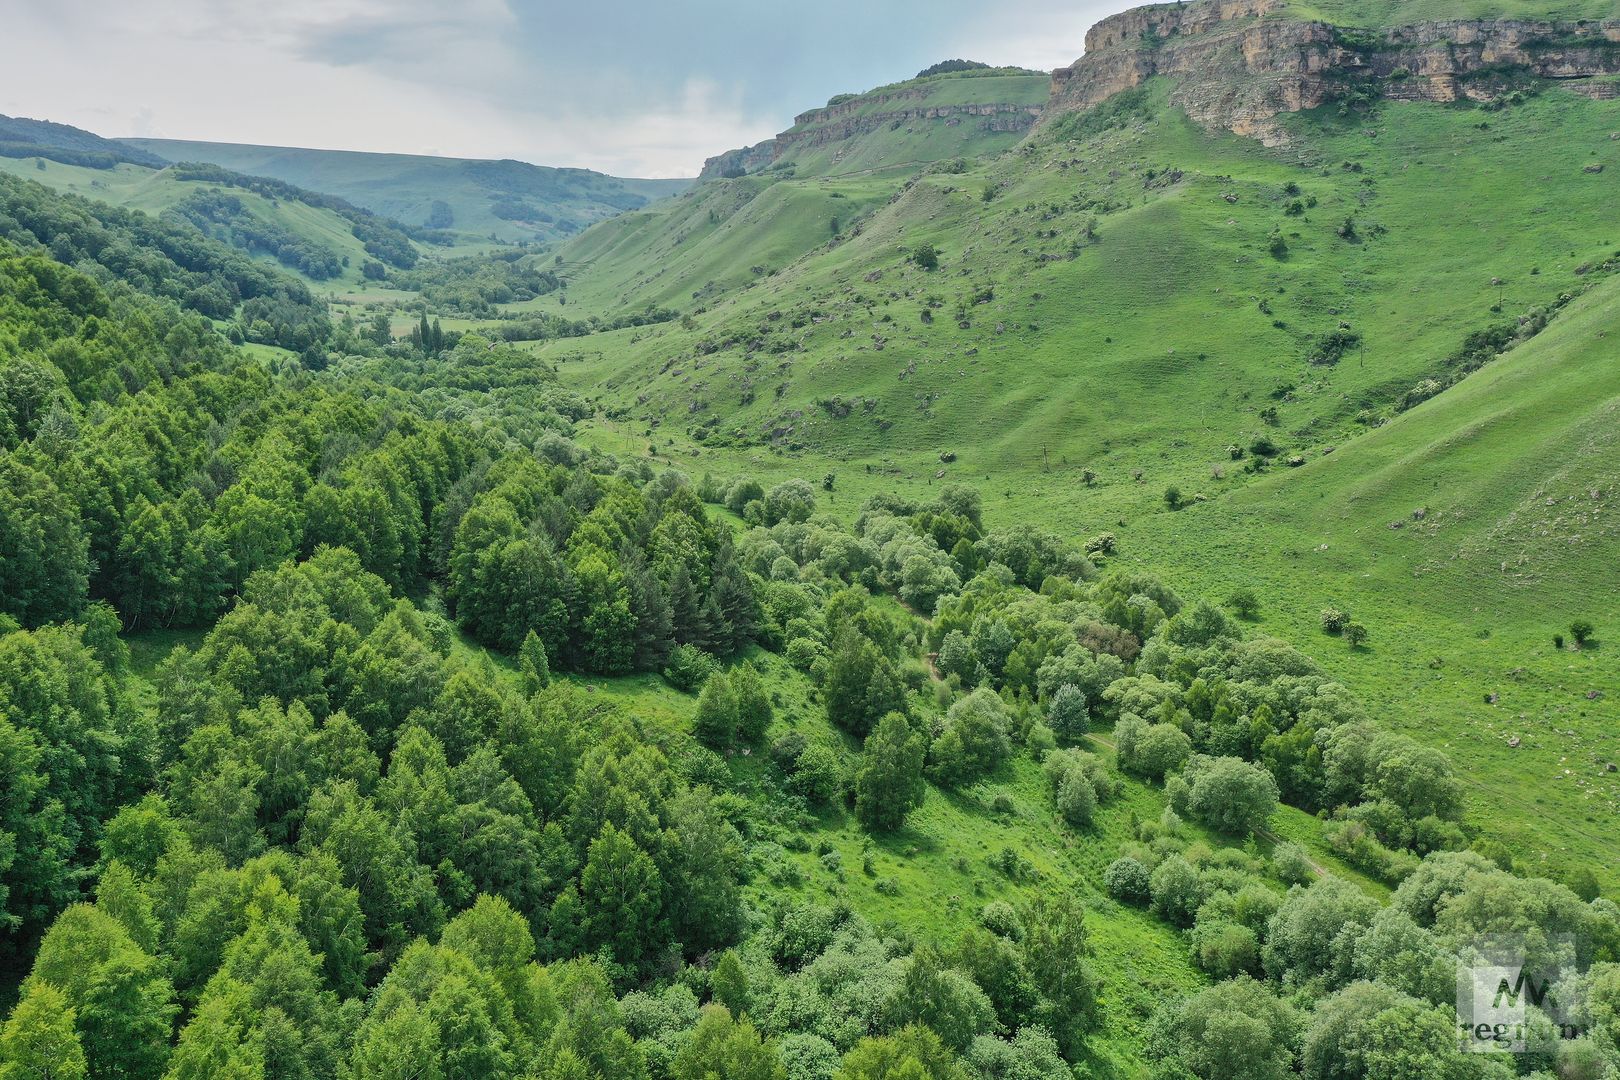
<point>868,113</point>
<point>1238,64</point>
<point>859,115</point>
<point>739,162</point>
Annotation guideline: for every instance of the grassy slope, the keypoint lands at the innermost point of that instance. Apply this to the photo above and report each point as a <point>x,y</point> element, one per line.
<point>1405,12</point>
<point>155,191</point>
<point>1516,470</point>
<point>707,241</point>
<point>404,186</point>
<point>1150,352</point>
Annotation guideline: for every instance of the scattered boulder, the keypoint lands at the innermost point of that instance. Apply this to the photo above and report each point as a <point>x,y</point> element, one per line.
<point>1595,167</point>
<point>1514,742</point>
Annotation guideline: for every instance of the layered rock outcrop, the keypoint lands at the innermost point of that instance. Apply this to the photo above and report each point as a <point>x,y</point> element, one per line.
<point>1239,64</point>
<point>739,162</point>
<point>871,112</point>
<point>862,114</point>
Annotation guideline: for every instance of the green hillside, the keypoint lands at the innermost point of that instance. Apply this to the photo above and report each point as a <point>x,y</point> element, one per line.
<point>1128,295</point>
<point>1470,531</point>
<point>953,594</point>
<point>329,253</point>
<point>24,138</point>
<point>507,200</point>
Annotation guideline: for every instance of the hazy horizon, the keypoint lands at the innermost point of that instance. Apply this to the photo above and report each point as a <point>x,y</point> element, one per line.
<point>640,89</point>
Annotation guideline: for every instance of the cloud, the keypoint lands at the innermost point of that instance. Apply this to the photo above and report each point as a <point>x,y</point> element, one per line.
<point>632,87</point>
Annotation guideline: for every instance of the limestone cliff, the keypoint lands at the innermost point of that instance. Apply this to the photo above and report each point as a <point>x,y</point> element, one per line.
<point>739,162</point>
<point>1238,64</point>
<point>987,102</point>
<point>906,105</point>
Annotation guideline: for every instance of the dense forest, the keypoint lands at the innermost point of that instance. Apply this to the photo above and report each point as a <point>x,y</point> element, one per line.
<point>370,816</point>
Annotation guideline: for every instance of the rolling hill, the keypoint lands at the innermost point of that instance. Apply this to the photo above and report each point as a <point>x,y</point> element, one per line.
<point>24,138</point>
<point>479,200</point>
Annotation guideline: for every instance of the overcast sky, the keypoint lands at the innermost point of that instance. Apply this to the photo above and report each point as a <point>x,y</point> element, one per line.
<point>629,87</point>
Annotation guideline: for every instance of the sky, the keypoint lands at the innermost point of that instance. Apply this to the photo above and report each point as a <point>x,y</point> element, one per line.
<point>627,87</point>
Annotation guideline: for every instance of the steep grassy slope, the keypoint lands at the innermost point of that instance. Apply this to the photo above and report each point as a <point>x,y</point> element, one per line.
<point>509,200</point>
<point>1129,296</point>
<point>708,242</point>
<point>1468,531</point>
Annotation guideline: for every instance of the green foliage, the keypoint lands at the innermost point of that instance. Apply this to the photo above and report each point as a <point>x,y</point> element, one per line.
<point>720,1046</point>
<point>39,1041</point>
<point>889,783</point>
<point>973,741</point>
<point>1229,794</point>
<point>754,708</point>
<point>861,684</point>
<point>1231,1031</point>
<point>1127,880</point>
<point>716,719</point>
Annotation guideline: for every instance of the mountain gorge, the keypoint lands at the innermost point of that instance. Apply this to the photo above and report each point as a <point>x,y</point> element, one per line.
<point>1237,245</point>
<point>1106,575</point>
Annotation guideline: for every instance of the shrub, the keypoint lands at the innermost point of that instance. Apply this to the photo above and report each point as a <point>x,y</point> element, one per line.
<point>1076,798</point>
<point>792,501</point>
<point>974,741</point>
<point>715,720</point>
<point>1127,881</point>
<point>817,774</point>
<point>1334,620</point>
<point>1039,740</point>
<point>1245,603</point>
<point>689,668</point>
<point>1225,949</point>
<point>1292,864</point>
<point>1176,891</point>
<point>1000,917</point>
<point>1580,631</point>
<point>1161,749</point>
<point>1172,497</point>
<point>1355,634</point>
<point>742,492</point>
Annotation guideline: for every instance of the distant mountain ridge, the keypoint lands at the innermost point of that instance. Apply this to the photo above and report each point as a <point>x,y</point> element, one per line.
<point>21,137</point>
<point>505,199</point>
